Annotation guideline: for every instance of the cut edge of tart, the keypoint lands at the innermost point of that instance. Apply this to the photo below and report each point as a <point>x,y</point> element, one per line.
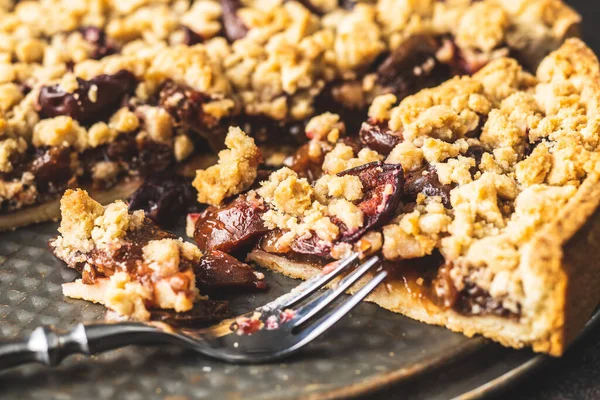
<point>561,281</point>
<point>500,182</point>
<point>127,263</point>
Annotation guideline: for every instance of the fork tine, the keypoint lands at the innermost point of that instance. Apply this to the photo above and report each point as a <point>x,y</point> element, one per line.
<point>309,287</point>
<point>309,310</point>
<point>326,321</point>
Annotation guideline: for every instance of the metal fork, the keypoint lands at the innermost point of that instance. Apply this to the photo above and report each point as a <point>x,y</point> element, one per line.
<point>270,332</point>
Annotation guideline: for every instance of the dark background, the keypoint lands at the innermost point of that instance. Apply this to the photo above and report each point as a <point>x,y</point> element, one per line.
<point>575,376</point>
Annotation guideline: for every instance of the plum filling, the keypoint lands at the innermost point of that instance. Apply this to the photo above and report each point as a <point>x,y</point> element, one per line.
<point>52,171</point>
<point>165,198</point>
<point>379,138</point>
<point>215,272</point>
<point>414,65</point>
<point>97,37</point>
<point>93,100</point>
<point>185,106</point>
<point>382,188</point>
<point>470,300</point>
<point>218,271</point>
<point>233,25</point>
<point>230,227</point>
<point>425,180</point>
<point>428,279</point>
<point>190,37</point>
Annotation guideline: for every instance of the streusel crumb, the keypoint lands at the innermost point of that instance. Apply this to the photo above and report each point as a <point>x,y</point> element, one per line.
<point>234,173</point>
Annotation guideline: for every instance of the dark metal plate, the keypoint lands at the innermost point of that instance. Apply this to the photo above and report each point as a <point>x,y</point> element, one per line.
<point>367,351</point>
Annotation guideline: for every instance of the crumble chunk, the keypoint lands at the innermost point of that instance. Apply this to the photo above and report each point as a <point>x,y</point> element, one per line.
<point>342,158</point>
<point>347,212</point>
<point>287,192</point>
<point>483,26</point>
<point>127,297</point>
<point>163,255</point>
<point>124,121</point>
<point>345,187</point>
<point>533,169</point>
<point>8,148</point>
<point>183,147</point>
<point>106,171</point>
<point>114,223</point>
<point>398,244</point>
<point>104,242</point>
<point>10,95</point>
<point>481,196</point>
<point>60,131</point>
<point>380,108</point>
<point>100,133</point>
<point>326,126</point>
<point>435,150</point>
<point>455,171</point>
<point>79,212</point>
<point>157,123</point>
<point>406,154</point>
<point>235,171</point>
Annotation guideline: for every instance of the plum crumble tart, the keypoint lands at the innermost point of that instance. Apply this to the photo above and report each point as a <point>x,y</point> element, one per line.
<point>102,94</point>
<point>135,268</point>
<point>479,194</point>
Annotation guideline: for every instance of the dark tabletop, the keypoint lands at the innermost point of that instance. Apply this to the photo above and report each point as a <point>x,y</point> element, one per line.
<point>577,374</point>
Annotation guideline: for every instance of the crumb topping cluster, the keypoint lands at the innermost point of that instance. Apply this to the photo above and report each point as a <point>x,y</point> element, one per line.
<point>102,243</point>
<point>235,171</point>
<point>499,154</point>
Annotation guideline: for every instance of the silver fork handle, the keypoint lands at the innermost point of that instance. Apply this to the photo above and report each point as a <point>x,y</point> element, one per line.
<point>47,346</point>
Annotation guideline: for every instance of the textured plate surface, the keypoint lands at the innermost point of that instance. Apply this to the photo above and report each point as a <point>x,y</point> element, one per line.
<point>369,350</point>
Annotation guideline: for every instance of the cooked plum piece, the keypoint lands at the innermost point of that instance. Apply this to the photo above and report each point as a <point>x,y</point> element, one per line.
<point>218,271</point>
<point>97,37</point>
<point>412,66</point>
<point>232,24</point>
<point>164,198</point>
<point>92,101</point>
<point>425,180</point>
<point>383,188</point>
<point>230,227</point>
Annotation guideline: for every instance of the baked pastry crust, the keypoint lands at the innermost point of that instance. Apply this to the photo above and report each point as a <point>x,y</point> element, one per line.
<point>549,291</point>
<point>169,73</point>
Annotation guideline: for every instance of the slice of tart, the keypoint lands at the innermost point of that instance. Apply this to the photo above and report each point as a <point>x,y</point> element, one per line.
<point>135,268</point>
<point>102,97</point>
<point>479,195</point>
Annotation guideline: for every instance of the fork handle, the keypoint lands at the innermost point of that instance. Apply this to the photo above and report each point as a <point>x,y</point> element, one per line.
<point>47,346</point>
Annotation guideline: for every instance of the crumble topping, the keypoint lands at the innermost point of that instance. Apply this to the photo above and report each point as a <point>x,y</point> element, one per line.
<point>235,171</point>
<point>342,157</point>
<point>487,161</point>
<point>342,187</point>
<point>9,148</point>
<point>60,131</point>
<point>86,224</point>
<point>271,59</point>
